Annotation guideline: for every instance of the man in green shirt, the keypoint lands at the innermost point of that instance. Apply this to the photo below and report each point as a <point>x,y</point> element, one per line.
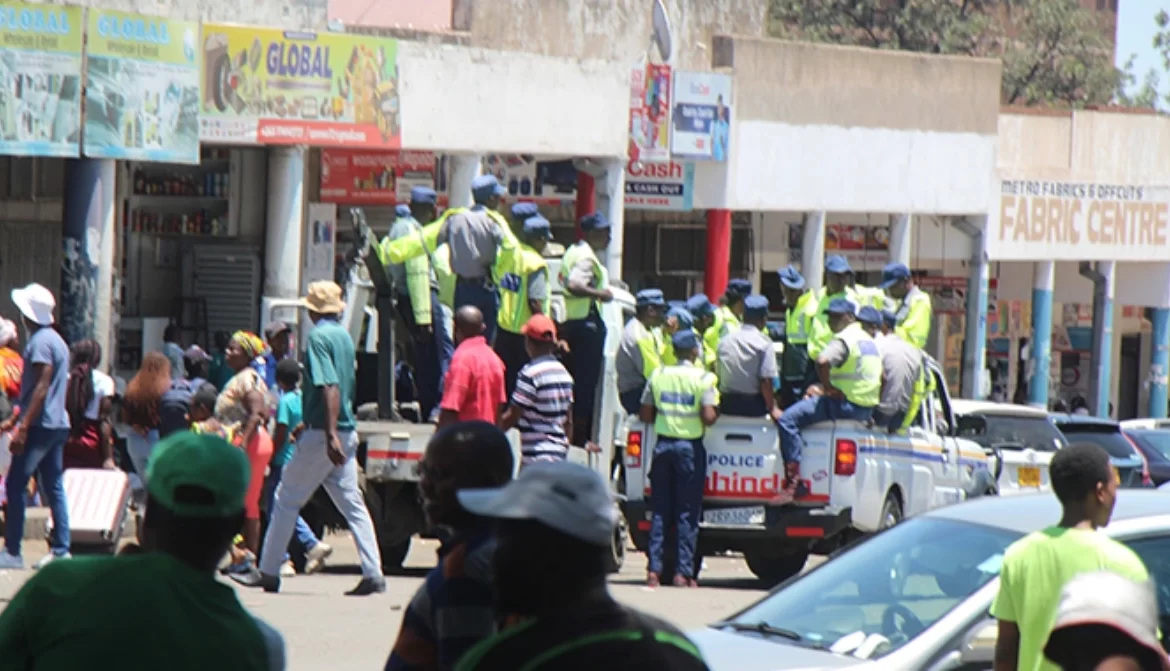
<point>75,613</point>
<point>1036,567</point>
<point>325,454</point>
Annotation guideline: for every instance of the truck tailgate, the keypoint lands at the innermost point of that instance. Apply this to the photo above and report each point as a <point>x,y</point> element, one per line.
<point>744,462</point>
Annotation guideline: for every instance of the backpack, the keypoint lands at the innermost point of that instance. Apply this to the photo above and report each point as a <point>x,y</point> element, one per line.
<point>173,408</point>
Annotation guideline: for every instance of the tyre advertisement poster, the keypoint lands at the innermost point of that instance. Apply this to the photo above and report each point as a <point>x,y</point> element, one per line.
<point>270,86</point>
<point>40,79</point>
<point>141,88</point>
<point>374,178</point>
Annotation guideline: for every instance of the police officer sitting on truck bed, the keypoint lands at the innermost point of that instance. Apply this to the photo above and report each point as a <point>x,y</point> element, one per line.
<point>638,355</point>
<point>800,306</point>
<point>747,365</point>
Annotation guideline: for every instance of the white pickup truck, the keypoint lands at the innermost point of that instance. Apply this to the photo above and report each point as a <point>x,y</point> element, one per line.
<point>859,481</point>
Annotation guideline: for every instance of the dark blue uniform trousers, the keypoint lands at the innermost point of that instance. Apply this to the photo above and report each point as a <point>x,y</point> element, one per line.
<point>586,340</point>
<point>482,294</point>
<point>432,354</point>
<point>677,478</point>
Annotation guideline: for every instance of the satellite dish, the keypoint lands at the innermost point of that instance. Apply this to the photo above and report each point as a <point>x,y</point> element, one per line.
<point>663,38</point>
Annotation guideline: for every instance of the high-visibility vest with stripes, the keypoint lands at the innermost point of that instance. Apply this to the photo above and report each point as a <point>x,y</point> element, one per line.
<point>577,307</point>
<point>514,268</point>
<point>798,318</point>
<point>860,376</point>
<point>678,399</point>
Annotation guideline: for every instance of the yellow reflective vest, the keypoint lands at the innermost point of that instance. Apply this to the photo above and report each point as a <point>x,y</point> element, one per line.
<point>913,317</point>
<point>678,399</point>
<point>577,307</point>
<point>860,376</point>
<point>819,333</point>
<point>516,266</point>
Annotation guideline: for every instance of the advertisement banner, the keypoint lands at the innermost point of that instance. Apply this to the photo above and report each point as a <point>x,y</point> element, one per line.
<point>374,178</point>
<point>544,180</point>
<point>859,244</point>
<point>141,88</point>
<point>660,186</point>
<point>269,86</point>
<point>701,117</point>
<point>40,67</point>
<point>650,114</point>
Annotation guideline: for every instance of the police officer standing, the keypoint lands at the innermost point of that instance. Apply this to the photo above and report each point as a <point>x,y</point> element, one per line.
<point>747,365</point>
<point>524,291</point>
<point>678,318</point>
<point>703,311</point>
<point>418,300</point>
<point>900,360</point>
<point>586,284</point>
<point>800,306</point>
<point>912,305</point>
<point>728,314</point>
<point>837,272</point>
<point>681,401</point>
<point>638,354</point>
<point>850,371</point>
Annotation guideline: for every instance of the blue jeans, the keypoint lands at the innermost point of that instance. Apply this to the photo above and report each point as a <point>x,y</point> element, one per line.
<point>810,411</point>
<point>138,448</point>
<point>743,405</point>
<point>481,294</point>
<point>586,340</point>
<point>303,535</point>
<point>432,354</point>
<point>677,477</point>
<point>891,422</point>
<point>42,455</point>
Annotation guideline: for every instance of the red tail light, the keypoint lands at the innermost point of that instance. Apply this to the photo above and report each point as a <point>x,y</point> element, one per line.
<point>845,458</point>
<point>1147,481</point>
<point>634,449</point>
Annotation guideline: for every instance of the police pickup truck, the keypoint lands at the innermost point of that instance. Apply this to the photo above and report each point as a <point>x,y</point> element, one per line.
<point>859,481</point>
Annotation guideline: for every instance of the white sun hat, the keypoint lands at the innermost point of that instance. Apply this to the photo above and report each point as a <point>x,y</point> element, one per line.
<point>36,303</point>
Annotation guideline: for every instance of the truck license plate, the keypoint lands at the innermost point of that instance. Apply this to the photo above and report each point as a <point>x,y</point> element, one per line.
<point>1028,476</point>
<point>734,516</point>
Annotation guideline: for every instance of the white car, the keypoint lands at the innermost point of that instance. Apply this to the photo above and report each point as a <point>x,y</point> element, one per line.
<point>1021,437</point>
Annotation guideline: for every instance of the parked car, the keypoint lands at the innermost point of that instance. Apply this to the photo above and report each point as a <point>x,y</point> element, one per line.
<point>1154,444</point>
<point>1020,437</point>
<point>1129,463</point>
<point>917,595</point>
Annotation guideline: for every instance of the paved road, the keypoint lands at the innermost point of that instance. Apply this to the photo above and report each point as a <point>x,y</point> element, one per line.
<point>325,630</point>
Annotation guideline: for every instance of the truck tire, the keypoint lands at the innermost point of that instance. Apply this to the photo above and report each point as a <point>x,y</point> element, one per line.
<point>397,517</point>
<point>617,548</point>
<point>772,569</point>
<point>891,511</point>
<point>886,581</point>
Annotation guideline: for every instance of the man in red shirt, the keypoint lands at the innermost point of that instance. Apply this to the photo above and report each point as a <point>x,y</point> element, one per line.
<point>474,387</point>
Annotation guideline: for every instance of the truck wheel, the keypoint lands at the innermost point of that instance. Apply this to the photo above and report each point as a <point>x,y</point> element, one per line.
<point>886,581</point>
<point>397,517</point>
<point>891,512</point>
<point>617,546</point>
<point>774,570</point>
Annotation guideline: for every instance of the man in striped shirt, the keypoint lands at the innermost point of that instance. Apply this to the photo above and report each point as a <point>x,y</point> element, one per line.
<point>542,404</point>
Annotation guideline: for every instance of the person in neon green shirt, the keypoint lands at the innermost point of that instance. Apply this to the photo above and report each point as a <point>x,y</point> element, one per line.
<point>1036,567</point>
<point>837,273</point>
<point>912,310</point>
<point>703,311</point>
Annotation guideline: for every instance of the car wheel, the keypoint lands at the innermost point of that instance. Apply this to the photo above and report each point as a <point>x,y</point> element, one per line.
<point>772,569</point>
<point>617,546</point>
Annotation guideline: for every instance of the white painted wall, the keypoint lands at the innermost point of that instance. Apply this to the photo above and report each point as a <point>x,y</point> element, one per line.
<point>1145,284</point>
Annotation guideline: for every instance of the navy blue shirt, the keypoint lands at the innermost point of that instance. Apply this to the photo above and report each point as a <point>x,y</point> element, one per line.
<point>46,346</point>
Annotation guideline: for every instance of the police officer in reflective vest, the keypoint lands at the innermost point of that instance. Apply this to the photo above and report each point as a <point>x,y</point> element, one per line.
<point>923,384</point>
<point>727,315</point>
<point>912,305</point>
<point>703,311</point>
<point>837,273</point>
<point>680,400</point>
<point>850,371</point>
<point>524,291</point>
<point>586,284</point>
<point>678,318</point>
<point>639,354</point>
<point>800,308</point>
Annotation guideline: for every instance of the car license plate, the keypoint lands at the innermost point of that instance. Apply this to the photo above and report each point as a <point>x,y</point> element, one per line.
<point>734,516</point>
<point>1028,476</point>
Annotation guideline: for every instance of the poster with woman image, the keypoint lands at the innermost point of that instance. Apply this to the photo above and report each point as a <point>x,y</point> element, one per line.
<point>701,117</point>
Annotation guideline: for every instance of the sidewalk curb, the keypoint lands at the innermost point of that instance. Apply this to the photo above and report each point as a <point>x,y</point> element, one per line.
<point>36,519</point>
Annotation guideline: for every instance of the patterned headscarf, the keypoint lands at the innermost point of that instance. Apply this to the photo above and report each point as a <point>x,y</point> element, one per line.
<point>7,331</point>
<point>251,343</point>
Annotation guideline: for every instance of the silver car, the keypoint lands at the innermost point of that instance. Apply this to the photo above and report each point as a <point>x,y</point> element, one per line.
<point>917,595</point>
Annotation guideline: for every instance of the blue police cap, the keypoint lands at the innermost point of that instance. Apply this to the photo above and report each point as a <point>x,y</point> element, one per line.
<point>593,222</point>
<point>650,297</point>
<point>755,306</point>
<point>836,263</point>
<point>890,318</point>
<point>423,195</point>
<point>521,211</point>
<point>685,339</point>
<point>738,287</point>
<point>536,226</point>
<point>402,210</point>
<point>791,278</point>
<point>685,319</point>
<point>894,273</point>
<point>700,306</point>
<point>841,306</point>
<point>486,186</point>
<point>869,315</point>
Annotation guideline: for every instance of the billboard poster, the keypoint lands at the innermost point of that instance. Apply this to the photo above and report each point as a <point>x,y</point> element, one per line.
<point>650,113</point>
<point>701,116</point>
<point>271,86</point>
<point>660,186</point>
<point>40,67</point>
<point>141,88</point>
<point>547,180</point>
<point>357,177</point>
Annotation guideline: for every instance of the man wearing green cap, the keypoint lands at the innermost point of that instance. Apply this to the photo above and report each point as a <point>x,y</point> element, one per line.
<point>74,614</point>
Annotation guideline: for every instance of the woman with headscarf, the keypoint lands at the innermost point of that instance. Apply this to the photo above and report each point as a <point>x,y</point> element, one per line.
<point>88,396</point>
<point>242,408</point>
<point>11,365</point>
<point>140,408</point>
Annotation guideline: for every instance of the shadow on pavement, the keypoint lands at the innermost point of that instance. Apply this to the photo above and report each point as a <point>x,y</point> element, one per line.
<point>747,583</point>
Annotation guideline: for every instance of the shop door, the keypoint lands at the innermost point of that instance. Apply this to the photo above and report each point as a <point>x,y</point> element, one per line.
<point>29,252</point>
<point>1128,380</point>
<point>227,277</point>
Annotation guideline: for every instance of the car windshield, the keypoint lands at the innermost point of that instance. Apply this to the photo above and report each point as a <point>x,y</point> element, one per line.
<point>1103,435</point>
<point>1036,433</point>
<point>1156,439</point>
<point>892,586</point>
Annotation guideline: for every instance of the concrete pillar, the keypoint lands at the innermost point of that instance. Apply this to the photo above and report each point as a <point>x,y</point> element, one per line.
<point>901,237</point>
<point>1043,276</point>
<point>586,201</point>
<point>464,169</point>
<point>718,252</point>
<point>812,250</point>
<point>975,335</point>
<point>1159,362</point>
<point>285,223</point>
<point>611,201</point>
<point>1100,373</point>
<point>85,306</point>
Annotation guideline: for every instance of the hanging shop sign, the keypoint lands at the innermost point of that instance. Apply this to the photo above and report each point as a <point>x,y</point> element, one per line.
<point>660,186</point>
<point>1069,221</point>
<point>701,117</point>
<point>650,113</point>
<point>141,88</point>
<point>40,67</point>
<point>267,86</point>
<point>374,178</point>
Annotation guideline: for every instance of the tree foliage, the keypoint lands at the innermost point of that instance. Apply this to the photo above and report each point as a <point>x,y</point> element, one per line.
<point>1054,52</point>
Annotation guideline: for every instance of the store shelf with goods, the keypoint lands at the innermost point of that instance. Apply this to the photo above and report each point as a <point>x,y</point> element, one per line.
<point>184,200</point>
<point>196,222</point>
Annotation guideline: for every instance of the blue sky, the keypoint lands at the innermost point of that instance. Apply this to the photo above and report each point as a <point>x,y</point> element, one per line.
<point>1135,34</point>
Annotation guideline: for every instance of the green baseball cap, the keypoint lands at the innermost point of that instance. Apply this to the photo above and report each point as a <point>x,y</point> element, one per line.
<point>198,460</point>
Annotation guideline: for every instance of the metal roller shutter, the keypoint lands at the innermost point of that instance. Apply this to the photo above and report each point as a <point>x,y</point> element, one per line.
<point>228,278</point>
<point>31,252</point>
